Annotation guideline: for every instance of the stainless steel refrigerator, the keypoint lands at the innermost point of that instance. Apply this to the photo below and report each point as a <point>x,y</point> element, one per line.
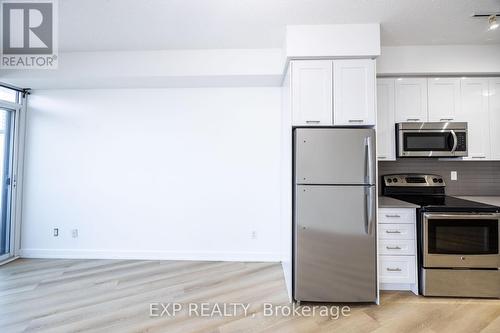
<point>334,215</point>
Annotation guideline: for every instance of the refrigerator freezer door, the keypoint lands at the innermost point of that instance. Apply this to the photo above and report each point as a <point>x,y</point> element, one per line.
<point>335,238</point>
<point>335,156</point>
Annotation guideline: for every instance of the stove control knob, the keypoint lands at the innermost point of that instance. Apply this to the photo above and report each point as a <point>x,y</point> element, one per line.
<point>389,180</point>
<point>462,258</point>
<point>440,180</point>
<point>435,180</point>
<point>395,180</point>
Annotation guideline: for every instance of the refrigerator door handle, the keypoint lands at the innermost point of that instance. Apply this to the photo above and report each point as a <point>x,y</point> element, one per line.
<point>369,205</point>
<point>369,161</point>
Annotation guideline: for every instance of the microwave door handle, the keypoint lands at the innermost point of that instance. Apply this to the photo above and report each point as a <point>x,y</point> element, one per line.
<point>455,141</point>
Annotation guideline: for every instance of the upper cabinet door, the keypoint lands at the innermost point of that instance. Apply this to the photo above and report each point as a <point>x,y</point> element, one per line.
<point>411,99</point>
<point>354,92</point>
<point>386,150</point>
<point>494,116</point>
<point>443,98</point>
<point>474,111</point>
<point>312,92</point>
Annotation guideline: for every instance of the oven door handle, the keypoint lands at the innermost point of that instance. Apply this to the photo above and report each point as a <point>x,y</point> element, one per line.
<point>455,141</point>
<point>464,216</point>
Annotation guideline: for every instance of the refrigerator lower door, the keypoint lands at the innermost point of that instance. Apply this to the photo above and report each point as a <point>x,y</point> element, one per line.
<point>335,244</point>
<point>337,156</point>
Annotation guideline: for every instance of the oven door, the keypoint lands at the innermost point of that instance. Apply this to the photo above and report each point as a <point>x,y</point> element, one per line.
<point>460,240</point>
<point>432,143</point>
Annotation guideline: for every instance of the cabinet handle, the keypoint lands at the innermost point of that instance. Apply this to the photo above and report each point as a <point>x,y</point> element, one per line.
<point>393,269</point>
<point>313,121</point>
<point>382,157</point>
<point>392,215</point>
<point>393,248</point>
<point>445,119</point>
<point>356,121</point>
<point>478,156</point>
<point>412,119</point>
<point>393,231</point>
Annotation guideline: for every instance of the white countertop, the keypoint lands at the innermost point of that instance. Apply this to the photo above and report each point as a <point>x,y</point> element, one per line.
<point>387,202</point>
<point>489,200</point>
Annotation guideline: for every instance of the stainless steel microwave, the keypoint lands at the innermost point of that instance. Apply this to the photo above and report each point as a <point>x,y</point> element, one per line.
<point>439,139</point>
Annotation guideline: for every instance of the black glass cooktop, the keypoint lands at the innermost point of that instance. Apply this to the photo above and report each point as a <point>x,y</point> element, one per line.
<point>446,203</point>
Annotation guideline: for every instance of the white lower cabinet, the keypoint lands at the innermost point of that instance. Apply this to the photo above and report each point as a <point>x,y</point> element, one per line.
<point>397,269</point>
<point>396,246</point>
<point>396,215</point>
<point>397,249</point>
<point>393,231</point>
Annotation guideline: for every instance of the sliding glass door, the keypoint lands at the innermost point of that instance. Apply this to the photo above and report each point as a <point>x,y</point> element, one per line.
<point>12,118</point>
<point>7,126</point>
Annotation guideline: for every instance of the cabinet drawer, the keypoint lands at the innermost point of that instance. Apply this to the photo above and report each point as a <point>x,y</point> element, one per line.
<point>396,246</point>
<point>396,215</point>
<point>397,269</point>
<point>396,231</point>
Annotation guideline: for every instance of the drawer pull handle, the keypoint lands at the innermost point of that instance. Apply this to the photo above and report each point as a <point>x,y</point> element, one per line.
<point>394,269</point>
<point>393,231</point>
<point>392,215</point>
<point>356,121</point>
<point>393,248</point>
<point>478,156</point>
<point>313,121</point>
<point>412,119</point>
<point>446,119</point>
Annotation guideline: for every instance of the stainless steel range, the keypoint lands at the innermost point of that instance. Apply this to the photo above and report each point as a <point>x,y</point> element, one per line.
<point>458,239</point>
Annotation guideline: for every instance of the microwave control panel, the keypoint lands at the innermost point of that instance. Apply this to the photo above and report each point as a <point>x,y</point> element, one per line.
<point>461,141</point>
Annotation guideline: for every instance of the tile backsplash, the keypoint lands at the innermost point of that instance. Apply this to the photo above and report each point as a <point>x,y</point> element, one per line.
<point>474,177</point>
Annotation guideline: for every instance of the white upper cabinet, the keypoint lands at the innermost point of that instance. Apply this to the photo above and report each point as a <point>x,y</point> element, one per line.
<point>443,98</point>
<point>354,92</point>
<point>474,111</point>
<point>312,92</point>
<point>494,117</point>
<point>386,150</point>
<point>411,99</point>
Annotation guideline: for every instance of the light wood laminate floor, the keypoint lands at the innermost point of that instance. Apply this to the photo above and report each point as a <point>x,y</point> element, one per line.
<point>42,295</point>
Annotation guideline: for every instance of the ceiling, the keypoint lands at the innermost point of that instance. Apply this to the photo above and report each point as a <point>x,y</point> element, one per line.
<point>97,25</point>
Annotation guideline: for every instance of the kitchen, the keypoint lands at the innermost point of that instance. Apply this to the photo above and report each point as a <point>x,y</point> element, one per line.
<point>425,126</point>
<point>347,161</point>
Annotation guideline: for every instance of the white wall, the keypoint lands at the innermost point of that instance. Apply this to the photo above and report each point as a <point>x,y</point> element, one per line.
<point>332,40</point>
<point>439,59</point>
<point>153,173</point>
<point>156,69</point>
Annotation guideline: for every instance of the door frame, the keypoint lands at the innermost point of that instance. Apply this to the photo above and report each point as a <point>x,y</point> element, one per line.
<point>18,137</point>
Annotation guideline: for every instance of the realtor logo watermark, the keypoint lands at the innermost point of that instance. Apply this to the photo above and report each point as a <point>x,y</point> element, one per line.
<point>29,34</point>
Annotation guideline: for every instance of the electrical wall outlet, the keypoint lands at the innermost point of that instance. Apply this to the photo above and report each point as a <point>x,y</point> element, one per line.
<point>56,232</point>
<point>454,175</point>
<point>74,233</point>
<point>254,234</point>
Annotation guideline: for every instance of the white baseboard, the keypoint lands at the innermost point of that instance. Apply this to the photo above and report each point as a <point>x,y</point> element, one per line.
<point>149,255</point>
